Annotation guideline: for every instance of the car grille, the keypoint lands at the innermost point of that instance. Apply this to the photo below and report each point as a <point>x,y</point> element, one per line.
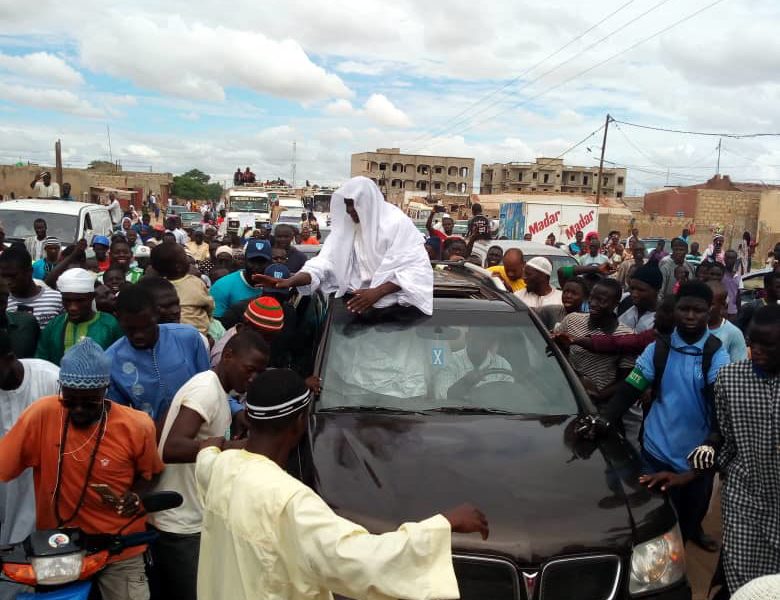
<point>586,578</point>
<point>486,579</point>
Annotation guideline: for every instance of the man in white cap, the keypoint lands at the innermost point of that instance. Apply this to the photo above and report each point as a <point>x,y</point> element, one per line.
<point>80,320</point>
<point>538,292</point>
<point>374,254</point>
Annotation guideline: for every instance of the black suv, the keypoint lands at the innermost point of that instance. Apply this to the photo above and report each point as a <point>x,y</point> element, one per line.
<point>476,404</point>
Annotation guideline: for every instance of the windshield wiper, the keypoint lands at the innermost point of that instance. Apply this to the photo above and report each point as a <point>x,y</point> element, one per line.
<point>470,410</point>
<point>372,409</point>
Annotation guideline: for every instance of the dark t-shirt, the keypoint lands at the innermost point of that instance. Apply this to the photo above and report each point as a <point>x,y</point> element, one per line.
<point>480,225</point>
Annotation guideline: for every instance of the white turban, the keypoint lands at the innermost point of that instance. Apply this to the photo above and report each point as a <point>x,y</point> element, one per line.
<point>76,281</point>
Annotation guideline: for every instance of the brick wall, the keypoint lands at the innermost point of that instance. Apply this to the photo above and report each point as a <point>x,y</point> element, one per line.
<point>733,212</point>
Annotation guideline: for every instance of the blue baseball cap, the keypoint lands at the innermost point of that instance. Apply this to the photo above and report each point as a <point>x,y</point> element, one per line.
<point>256,248</point>
<point>277,271</point>
<point>101,239</point>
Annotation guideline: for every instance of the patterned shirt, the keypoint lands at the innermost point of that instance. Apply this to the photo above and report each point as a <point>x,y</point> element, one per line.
<point>601,369</point>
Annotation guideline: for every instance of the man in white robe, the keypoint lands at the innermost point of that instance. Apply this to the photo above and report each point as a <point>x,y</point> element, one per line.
<point>266,535</point>
<point>374,253</point>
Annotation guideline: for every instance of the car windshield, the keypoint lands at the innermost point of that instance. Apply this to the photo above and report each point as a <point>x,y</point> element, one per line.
<point>19,224</point>
<point>249,204</point>
<point>454,360</point>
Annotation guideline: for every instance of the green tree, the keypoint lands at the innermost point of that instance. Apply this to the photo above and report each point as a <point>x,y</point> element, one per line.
<point>194,185</point>
<point>101,165</point>
<point>197,175</point>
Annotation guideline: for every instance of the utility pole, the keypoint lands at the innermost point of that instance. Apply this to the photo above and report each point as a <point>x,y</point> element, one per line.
<point>58,161</point>
<point>293,163</point>
<point>717,169</point>
<point>601,162</point>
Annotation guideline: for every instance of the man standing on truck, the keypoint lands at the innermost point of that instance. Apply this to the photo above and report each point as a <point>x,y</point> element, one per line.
<point>44,187</point>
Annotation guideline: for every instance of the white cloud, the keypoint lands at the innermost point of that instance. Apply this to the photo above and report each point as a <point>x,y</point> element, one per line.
<point>51,99</point>
<point>359,68</point>
<point>199,61</point>
<point>339,108</point>
<point>142,150</point>
<point>379,109</point>
<point>41,67</point>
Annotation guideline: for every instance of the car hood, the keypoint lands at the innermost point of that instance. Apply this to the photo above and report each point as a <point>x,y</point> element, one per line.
<point>543,495</point>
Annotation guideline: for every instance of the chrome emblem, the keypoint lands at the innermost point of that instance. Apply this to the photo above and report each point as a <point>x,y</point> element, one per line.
<point>530,580</point>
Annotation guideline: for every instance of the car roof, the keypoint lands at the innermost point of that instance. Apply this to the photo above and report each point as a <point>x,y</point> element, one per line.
<point>66,207</point>
<point>471,286</point>
<point>533,248</point>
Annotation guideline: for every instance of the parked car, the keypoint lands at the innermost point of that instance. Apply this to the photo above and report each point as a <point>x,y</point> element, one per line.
<point>67,221</point>
<point>403,430</point>
<point>751,286</point>
<point>558,257</point>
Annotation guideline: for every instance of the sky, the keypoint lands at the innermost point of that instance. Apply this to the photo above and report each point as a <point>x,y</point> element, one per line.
<point>216,85</point>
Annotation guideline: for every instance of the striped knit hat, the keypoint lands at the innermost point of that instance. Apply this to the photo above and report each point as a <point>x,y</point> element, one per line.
<point>265,313</point>
<point>51,241</point>
<point>85,367</point>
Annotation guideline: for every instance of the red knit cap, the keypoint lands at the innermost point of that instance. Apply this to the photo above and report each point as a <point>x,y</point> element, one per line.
<point>265,313</point>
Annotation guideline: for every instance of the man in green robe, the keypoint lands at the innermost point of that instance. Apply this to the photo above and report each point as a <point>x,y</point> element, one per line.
<point>79,320</point>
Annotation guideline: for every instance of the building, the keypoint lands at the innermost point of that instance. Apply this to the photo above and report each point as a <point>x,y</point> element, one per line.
<point>722,205</point>
<point>550,175</point>
<point>392,171</point>
<point>90,185</point>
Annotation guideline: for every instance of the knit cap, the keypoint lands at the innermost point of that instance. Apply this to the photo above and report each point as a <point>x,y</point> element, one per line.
<point>265,313</point>
<point>85,366</point>
<point>51,241</point>
<point>650,274</point>
<point>762,588</point>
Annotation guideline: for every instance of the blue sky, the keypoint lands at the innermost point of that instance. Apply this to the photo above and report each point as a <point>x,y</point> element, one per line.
<point>216,85</point>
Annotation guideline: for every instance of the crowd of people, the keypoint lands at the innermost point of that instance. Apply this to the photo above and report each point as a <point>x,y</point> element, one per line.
<point>165,359</point>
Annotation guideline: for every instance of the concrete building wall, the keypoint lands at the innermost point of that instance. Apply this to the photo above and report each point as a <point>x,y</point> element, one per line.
<point>83,181</point>
<point>550,175</point>
<point>671,202</point>
<point>768,229</point>
<point>732,212</point>
<point>392,171</point>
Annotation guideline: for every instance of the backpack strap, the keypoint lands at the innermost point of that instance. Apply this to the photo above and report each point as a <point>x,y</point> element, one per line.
<point>663,345</point>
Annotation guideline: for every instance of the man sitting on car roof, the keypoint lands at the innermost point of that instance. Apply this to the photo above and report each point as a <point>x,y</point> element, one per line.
<point>374,253</point>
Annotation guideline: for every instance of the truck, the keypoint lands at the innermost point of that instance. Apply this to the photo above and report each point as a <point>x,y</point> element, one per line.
<point>246,207</point>
<point>541,218</point>
<point>67,221</point>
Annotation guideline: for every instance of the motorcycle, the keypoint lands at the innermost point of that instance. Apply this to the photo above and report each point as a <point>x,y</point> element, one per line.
<point>60,563</point>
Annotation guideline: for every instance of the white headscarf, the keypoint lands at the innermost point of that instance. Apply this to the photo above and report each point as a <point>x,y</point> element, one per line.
<point>392,248</point>
<point>76,281</point>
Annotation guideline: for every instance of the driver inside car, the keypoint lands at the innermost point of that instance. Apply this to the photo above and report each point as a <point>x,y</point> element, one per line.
<point>475,364</point>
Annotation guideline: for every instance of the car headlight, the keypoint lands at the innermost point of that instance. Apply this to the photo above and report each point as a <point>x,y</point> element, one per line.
<point>55,570</point>
<point>657,563</point>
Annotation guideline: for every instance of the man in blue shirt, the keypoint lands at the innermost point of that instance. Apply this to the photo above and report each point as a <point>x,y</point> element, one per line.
<point>680,428</point>
<point>152,361</point>
<point>237,286</point>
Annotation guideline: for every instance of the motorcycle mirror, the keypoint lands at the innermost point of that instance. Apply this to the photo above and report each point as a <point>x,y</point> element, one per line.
<point>160,501</point>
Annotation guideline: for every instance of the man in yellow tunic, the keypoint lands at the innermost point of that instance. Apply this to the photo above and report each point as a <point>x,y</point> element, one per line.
<point>268,536</point>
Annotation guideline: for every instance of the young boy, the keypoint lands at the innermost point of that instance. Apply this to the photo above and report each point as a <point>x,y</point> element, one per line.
<point>170,261</point>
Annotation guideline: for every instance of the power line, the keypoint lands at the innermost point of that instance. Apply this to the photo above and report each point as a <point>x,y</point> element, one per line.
<point>562,63</point>
<point>436,130</point>
<point>707,133</point>
<point>599,64</point>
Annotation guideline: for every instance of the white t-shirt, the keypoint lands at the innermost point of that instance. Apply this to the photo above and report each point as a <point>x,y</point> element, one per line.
<point>46,191</point>
<point>115,211</point>
<point>586,260</point>
<point>554,298</point>
<point>203,393</point>
<point>17,497</point>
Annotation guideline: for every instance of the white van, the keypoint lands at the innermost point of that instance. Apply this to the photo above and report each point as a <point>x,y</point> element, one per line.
<point>66,220</point>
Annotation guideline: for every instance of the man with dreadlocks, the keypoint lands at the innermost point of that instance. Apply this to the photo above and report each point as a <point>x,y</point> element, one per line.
<point>267,535</point>
<point>79,438</point>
